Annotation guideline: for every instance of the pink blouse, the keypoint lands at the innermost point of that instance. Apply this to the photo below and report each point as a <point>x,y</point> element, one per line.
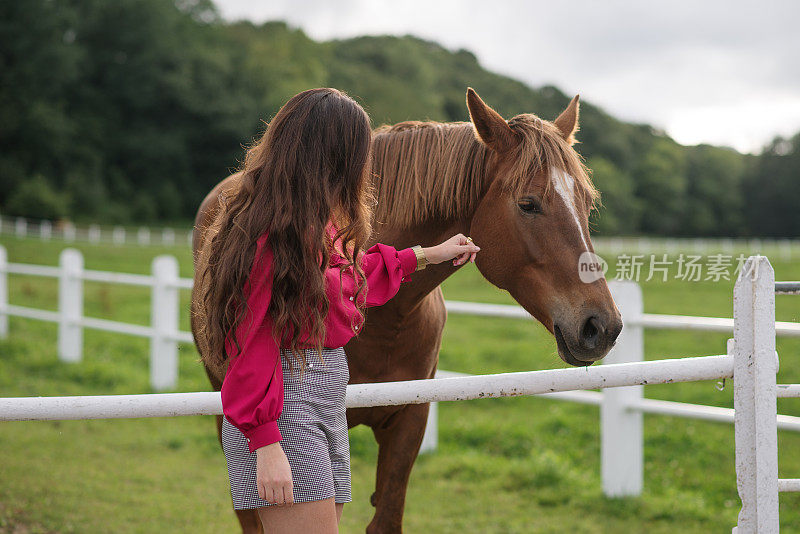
<point>252,391</point>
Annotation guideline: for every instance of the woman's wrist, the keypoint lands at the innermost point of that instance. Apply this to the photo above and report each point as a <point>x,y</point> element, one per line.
<point>269,449</point>
<point>450,249</point>
<point>430,255</point>
<point>264,434</point>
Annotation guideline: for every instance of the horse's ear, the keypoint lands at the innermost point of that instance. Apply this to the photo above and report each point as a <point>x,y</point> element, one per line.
<point>567,122</point>
<point>492,129</point>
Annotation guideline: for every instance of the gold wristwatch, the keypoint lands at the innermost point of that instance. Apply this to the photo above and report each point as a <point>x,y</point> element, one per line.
<point>422,261</point>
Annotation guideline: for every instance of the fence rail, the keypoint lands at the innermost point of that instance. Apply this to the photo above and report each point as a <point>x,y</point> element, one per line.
<point>384,393</point>
<point>647,320</point>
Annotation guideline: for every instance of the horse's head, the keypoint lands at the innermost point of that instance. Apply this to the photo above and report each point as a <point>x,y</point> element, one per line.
<point>533,229</point>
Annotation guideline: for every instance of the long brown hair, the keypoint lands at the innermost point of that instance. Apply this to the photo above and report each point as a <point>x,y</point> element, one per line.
<point>310,167</point>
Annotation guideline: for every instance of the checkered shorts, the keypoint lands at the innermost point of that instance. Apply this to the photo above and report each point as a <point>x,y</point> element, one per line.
<point>313,427</point>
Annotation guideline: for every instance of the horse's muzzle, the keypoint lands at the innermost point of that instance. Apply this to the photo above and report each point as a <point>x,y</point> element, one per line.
<point>590,343</point>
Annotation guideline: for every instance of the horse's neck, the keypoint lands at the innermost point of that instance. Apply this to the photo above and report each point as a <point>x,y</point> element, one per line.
<point>431,232</point>
<point>426,234</point>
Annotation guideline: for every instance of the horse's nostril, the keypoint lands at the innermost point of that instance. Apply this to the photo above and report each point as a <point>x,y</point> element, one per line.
<point>590,334</point>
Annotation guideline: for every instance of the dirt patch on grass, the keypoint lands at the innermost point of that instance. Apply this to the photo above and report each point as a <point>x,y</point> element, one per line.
<point>16,521</point>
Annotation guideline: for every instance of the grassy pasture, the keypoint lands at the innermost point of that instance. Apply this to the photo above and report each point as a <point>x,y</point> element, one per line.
<point>504,465</point>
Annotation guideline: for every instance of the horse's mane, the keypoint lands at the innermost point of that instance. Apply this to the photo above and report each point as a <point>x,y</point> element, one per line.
<point>436,169</point>
<point>426,169</point>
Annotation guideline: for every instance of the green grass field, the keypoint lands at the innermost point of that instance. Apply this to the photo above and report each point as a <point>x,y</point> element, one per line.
<point>514,465</point>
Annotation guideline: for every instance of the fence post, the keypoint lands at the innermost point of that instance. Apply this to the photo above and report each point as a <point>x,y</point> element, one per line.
<point>621,432</point>
<point>94,233</point>
<point>754,397</point>
<point>118,235</point>
<point>430,440</point>
<point>164,321</point>
<point>45,230</point>
<point>21,227</point>
<point>143,236</point>
<point>167,237</point>
<point>70,306</point>
<point>3,292</point>
<point>69,231</point>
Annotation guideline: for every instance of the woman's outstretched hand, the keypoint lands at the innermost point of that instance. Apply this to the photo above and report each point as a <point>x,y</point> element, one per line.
<point>456,247</point>
<point>273,475</point>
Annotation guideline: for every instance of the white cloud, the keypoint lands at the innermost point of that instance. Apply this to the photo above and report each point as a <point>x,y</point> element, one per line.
<point>733,124</point>
<point>724,72</point>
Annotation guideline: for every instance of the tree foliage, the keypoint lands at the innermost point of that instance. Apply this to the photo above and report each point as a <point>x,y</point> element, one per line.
<point>771,190</point>
<point>132,110</point>
<point>36,195</point>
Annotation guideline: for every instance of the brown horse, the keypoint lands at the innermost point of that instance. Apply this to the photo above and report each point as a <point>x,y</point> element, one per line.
<point>519,189</point>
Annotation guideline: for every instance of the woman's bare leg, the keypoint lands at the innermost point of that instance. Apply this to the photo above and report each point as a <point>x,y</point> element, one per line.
<point>313,517</point>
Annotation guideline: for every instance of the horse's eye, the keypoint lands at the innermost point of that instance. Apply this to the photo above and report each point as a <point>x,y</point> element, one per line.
<point>530,205</point>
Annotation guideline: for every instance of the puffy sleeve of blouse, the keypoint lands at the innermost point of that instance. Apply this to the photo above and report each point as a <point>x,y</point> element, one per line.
<point>385,269</point>
<point>252,391</point>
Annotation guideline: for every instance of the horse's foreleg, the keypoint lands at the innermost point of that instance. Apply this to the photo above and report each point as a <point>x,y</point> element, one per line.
<point>399,438</point>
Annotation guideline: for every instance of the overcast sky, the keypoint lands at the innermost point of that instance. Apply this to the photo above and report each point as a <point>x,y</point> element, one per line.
<point>722,72</point>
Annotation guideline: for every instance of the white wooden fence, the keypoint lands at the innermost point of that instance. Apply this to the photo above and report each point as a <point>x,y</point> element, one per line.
<point>69,232</point>
<point>750,358</point>
<point>621,408</point>
<point>163,332</point>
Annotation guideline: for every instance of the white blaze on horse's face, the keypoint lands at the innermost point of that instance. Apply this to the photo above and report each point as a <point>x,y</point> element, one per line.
<point>565,187</point>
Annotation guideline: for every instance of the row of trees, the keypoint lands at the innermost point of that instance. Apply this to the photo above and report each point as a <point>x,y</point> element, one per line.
<point>132,110</point>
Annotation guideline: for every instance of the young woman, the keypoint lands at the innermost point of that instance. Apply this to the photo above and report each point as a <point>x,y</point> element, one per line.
<point>283,268</point>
